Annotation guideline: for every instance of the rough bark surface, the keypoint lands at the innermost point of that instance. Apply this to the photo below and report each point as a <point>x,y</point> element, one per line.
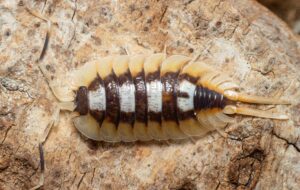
<point>288,10</point>
<point>241,37</point>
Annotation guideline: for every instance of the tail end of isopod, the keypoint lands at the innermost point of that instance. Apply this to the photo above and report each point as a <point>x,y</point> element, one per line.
<point>239,97</point>
<point>235,96</point>
<point>230,109</point>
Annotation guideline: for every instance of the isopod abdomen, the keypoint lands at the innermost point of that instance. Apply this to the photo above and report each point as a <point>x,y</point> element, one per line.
<point>130,98</point>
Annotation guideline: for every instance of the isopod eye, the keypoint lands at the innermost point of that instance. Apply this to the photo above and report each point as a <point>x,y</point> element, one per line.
<point>81,101</point>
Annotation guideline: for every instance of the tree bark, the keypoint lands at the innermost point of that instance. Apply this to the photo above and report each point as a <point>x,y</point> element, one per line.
<point>240,37</point>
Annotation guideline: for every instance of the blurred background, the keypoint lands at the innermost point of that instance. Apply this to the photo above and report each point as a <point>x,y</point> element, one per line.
<point>287,10</point>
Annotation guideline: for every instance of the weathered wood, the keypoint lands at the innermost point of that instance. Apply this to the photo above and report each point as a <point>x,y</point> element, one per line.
<point>240,37</point>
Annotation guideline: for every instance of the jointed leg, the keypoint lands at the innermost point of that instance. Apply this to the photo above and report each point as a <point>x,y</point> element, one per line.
<point>50,21</point>
<point>42,166</point>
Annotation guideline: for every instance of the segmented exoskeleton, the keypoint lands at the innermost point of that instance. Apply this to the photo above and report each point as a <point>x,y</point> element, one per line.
<point>129,98</point>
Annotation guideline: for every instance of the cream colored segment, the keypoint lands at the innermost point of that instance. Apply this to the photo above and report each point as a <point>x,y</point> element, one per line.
<point>125,132</point>
<point>84,75</point>
<point>191,127</point>
<point>173,64</point>
<point>207,119</point>
<point>214,120</point>
<point>186,103</point>
<point>154,96</point>
<point>196,69</point>
<point>109,132</point>
<point>220,80</point>
<point>97,99</point>
<point>216,81</point>
<point>154,88</point>
<point>140,131</point>
<point>208,77</point>
<point>228,86</point>
<point>172,130</point>
<point>136,64</point>
<point>206,81</point>
<point>127,90</point>
<point>127,97</point>
<point>225,118</point>
<point>88,127</point>
<point>104,67</point>
<point>155,131</point>
<point>120,65</point>
<point>153,63</point>
<point>202,118</point>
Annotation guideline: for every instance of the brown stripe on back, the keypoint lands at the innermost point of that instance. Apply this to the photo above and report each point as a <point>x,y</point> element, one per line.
<point>81,101</point>
<point>112,98</point>
<point>187,77</point>
<point>126,117</point>
<point>155,76</point>
<point>140,97</point>
<point>94,86</point>
<point>182,115</point>
<point>169,96</point>
<point>186,115</point>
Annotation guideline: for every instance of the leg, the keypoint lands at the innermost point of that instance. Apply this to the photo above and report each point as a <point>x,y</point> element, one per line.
<point>50,22</point>
<point>59,93</point>
<point>42,165</point>
<point>54,122</point>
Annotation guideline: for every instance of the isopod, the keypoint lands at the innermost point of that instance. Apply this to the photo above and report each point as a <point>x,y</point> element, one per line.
<point>129,98</point>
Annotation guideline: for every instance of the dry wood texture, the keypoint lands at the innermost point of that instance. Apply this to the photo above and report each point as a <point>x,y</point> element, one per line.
<point>288,10</point>
<point>240,37</point>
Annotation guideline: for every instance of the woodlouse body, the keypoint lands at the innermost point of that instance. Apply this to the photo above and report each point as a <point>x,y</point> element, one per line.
<point>129,98</point>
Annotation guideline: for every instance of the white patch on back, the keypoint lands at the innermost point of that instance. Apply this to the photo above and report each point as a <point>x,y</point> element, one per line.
<point>97,99</point>
<point>186,103</point>
<point>154,96</point>
<point>127,97</point>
